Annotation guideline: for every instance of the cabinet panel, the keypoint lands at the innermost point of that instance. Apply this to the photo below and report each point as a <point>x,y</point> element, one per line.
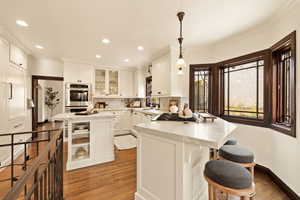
<point>100,82</point>
<point>4,63</point>
<point>113,87</point>
<point>16,85</point>
<point>78,73</point>
<point>161,76</point>
<point>126,83</point>
<point>18,57</point>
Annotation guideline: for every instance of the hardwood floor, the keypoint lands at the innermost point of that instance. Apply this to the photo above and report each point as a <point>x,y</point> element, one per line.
<point>117,180</point>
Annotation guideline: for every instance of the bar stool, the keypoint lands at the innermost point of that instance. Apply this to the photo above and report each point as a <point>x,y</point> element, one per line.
<point>231,142</point>
<point>215,152</point>
<point>229,178</point>
<point>238,155</point>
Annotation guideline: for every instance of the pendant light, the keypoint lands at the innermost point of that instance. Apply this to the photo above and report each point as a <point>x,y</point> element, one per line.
<point>180,62</point>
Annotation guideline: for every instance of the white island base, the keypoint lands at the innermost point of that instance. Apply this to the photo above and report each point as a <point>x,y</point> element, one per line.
<point>171,157</point>
<point>90,139</point>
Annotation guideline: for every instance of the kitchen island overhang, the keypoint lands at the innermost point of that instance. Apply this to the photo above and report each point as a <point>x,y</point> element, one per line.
<point>171,157</point>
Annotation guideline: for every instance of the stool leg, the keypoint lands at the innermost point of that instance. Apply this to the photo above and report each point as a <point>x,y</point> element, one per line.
<point>244,198</point>
<point>211,192</point>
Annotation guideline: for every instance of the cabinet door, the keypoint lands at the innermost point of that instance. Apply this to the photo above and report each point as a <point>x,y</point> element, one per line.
<point>16,92</point>
<point>4,63</point>
<point>113,84</point>
<point>100,82</point>
<point>17,56</point>
<point>126,83</point>
<point>161,76</point>
<point>78,73</point>
<point>139,84</point>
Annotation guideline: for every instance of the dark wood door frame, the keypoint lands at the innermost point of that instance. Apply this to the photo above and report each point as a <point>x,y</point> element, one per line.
<point>34,93</point>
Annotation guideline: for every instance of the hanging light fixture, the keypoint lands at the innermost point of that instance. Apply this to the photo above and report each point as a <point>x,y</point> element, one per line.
<point>180,62</point>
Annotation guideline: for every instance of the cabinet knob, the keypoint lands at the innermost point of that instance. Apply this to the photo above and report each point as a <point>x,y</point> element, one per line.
<point>158,92</point>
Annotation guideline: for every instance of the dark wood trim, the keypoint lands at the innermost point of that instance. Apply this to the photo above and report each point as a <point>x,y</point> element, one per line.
<point>50,78</point>
<point>34,94</point>
<point>287,42</point>
<point>264,55</point>
<point>213,86</point>
<point>283,186</point>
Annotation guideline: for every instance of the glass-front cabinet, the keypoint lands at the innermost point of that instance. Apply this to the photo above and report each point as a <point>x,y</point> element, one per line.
<point>106,82</point>
<point>79,141</point>
<point>100,82</point>
<point>113,82</point>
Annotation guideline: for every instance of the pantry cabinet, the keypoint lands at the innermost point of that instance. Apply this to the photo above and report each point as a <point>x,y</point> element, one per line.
<point>13,63</point>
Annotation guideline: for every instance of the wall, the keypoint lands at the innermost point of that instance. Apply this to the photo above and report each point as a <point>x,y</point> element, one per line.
<point>272,149</point>
<point>46,66</point>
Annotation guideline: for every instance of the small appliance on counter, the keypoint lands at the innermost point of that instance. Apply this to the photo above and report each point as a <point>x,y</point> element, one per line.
<point>100,105</point>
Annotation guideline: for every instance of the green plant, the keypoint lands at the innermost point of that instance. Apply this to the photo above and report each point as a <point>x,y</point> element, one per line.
<point>51,99</point>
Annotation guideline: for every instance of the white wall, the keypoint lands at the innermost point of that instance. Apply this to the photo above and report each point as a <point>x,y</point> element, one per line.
<point>272,149</point>
<point>46,66</point>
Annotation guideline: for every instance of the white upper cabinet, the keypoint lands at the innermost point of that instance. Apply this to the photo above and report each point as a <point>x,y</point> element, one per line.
<point>126,83</point>
<point>78,73</point>
<point>161,71</point>
<point>139,83</point>
<point>107,83</point>
<point>17,57</point>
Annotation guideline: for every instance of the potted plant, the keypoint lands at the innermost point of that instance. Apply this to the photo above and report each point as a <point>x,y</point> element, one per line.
<point>51,101</point>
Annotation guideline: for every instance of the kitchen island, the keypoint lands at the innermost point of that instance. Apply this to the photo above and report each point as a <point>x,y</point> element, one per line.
<point>171,157</point>
<point>90,138</point>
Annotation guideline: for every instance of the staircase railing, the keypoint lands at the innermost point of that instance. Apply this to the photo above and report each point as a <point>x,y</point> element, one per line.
<point>43,179</point>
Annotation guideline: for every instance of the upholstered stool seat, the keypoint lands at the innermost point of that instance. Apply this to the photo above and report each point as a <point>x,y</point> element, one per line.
<point>231,142</point>
<point>236,153</point>
<point>228,174</point>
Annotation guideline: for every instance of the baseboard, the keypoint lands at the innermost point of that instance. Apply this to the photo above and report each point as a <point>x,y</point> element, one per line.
<point>284,187</point>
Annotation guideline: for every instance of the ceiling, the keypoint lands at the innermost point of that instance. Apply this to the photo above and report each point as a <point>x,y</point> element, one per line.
<point>74,29</point>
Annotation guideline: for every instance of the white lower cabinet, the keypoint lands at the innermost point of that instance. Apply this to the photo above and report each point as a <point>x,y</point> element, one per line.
<point>90,142</point>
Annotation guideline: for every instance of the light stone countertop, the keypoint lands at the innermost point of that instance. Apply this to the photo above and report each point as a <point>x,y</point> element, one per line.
<point>72,116</point>
<point>210,134</point>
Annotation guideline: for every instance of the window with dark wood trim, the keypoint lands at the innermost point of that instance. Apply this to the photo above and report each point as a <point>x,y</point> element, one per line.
<point>200,88</point>
<point>284,85</point>
<point>257,89</point>
<point>243,85</point>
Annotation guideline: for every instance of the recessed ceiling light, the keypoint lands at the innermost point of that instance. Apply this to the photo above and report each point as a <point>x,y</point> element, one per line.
<point>140,48</point>
<point>98,56</point>
<point>106,41</point>
<point>39,46</point>
<point>22,23</point>
<point>126,60</point>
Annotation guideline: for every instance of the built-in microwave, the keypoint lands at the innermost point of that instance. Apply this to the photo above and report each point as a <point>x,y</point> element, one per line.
<point>77,94</point>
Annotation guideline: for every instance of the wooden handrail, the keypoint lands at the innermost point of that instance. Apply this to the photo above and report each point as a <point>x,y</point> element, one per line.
<point>21,183</point>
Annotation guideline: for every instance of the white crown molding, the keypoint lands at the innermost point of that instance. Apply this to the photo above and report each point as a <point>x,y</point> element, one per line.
<point>97,65</point>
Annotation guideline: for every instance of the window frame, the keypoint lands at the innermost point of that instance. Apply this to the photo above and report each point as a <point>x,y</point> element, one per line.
<point>214,83</point>
<point>260,55</point>
<point>288,42</point>
<point>217,86</point>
